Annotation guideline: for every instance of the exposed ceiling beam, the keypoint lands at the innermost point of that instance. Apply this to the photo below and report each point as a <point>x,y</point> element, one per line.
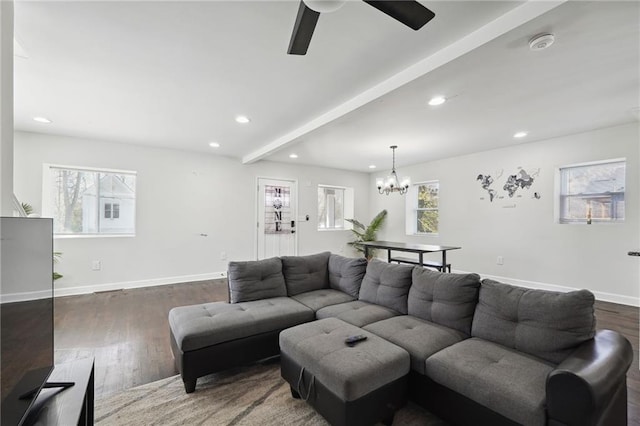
<point>505,23</point>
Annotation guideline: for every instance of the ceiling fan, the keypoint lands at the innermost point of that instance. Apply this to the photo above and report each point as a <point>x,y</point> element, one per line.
<point>409,12</point>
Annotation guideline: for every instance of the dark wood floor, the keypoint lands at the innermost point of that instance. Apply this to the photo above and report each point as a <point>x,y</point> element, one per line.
<point>128,333</point>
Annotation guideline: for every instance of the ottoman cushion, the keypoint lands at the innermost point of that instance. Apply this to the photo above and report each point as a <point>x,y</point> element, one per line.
<point>199,326</point>
<point>306,273</point>
<point>349,372</point>
<point>502,379</point>
<point>357,313</point>
<point>418,337</point>
<point>319,299</point>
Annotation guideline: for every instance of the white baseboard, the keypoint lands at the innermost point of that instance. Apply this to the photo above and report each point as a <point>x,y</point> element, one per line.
<point>600,295</point>
<point>72,291</point>
<point>25,296</point>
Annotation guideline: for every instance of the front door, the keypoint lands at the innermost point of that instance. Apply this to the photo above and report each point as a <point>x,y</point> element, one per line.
<point>277,204</point>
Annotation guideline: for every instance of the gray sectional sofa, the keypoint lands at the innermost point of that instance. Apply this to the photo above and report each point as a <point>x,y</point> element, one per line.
<point>480,352</point>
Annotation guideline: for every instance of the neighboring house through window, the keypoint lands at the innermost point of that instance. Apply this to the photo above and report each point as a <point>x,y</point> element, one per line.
<point>335,204</point>
<point>85,201</point>
<point>592,192</point>
<point>422,208</point>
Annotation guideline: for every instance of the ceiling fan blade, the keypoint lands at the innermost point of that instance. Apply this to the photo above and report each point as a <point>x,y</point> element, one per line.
<point>409,12</point>
<point>303,30</point>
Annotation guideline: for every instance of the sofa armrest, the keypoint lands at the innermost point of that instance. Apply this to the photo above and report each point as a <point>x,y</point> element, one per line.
<point>590,385</point>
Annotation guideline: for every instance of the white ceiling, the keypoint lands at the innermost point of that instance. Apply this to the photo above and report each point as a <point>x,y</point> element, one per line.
<point>176,74</point>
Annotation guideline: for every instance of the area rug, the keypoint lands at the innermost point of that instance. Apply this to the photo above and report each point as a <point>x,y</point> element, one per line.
<point>253,395</point>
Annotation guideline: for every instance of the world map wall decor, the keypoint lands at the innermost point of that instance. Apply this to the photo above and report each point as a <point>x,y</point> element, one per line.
<point>515,185</point>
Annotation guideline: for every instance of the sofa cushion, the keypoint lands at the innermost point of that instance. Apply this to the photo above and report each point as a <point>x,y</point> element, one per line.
<point>545,324</point>
<point>446,299</point>
<point>346,273</point>
<point>386,284</point>
<point>199,326</point>
<point>416,336</point>
<point>255,280</point>
<point>504,380</point>
<point>319,299</point>
<point>357,313</point>
<point>306,273</point>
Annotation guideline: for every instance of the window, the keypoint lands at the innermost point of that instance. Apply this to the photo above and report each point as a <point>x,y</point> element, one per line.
<point>422,208</point>
<point>112,211</point>
<point>85,201</point>
<point>592,192</point>
<point>335,204</point>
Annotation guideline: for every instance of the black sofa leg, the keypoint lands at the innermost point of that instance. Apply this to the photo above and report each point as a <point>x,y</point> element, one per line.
<point>189,385</point>
<point>294,393</point>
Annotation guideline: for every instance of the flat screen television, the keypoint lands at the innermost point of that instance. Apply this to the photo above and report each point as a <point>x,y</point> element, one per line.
<point>26,314</point>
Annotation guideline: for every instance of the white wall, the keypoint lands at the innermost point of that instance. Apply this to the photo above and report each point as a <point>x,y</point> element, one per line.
<point>537,251</point>
<point>6,108</point>
<point>180,195</point>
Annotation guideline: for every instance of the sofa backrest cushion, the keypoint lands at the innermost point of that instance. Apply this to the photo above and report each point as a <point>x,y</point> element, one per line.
<point>545,324</point>
<point>256,279</point>
<point>346,273</point>
<point>445,299</point>
<point>306,273</point>
<point>386,284</point>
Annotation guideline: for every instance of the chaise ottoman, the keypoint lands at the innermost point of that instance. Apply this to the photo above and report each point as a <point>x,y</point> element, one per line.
<point>359,385</point>
<point>212,337</point>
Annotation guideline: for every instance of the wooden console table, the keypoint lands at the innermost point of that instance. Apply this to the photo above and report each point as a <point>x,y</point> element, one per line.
<point>420,249</point>
<point>72,406</point>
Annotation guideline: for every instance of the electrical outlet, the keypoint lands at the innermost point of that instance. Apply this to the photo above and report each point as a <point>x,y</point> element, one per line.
<point>223,255</point>
<point>500,260</point>
<point>96,265</point>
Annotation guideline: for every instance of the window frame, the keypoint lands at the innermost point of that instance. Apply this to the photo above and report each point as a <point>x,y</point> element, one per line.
<point>347,208</point>
<point>47,202</point>
<point>559,199</point>
<point>412,209</point>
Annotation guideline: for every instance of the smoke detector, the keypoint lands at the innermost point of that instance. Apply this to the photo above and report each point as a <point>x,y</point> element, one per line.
<point>541,41</point>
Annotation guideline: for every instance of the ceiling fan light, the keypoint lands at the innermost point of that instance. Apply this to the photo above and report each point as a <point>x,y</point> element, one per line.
<point>324,6</point>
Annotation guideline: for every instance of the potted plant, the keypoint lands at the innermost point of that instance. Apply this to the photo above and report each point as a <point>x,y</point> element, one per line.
<point>363,233</point>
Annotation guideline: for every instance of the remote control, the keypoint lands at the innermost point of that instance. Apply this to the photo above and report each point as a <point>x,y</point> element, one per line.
<point>352,340</point>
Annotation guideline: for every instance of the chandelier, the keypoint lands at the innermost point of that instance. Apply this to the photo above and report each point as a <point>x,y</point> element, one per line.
<point>391,183</point>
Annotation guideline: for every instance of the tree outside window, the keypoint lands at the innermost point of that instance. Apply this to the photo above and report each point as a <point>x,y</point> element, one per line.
<point>86,201</point>
<point>427,214</point>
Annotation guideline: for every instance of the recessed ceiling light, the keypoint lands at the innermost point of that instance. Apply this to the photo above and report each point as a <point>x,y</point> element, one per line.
<point>520,135</point>
<point>42,120</point>
<point>293,155</point>
<point>214,145</point>
<point>437,100</point>
<point>372,166</point>
<point>243,119</point>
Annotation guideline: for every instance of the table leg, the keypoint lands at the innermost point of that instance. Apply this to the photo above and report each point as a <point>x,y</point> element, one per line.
<point>388,256</point>
<point>444,261</point>
<point>420,259</point>
<point>366,252</point>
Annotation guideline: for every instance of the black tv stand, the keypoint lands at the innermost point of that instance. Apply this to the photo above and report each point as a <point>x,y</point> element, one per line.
<point>74,406</point>
<point>48,385</point>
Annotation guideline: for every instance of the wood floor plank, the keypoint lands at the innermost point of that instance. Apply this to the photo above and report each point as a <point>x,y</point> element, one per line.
<point>127,332</point>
